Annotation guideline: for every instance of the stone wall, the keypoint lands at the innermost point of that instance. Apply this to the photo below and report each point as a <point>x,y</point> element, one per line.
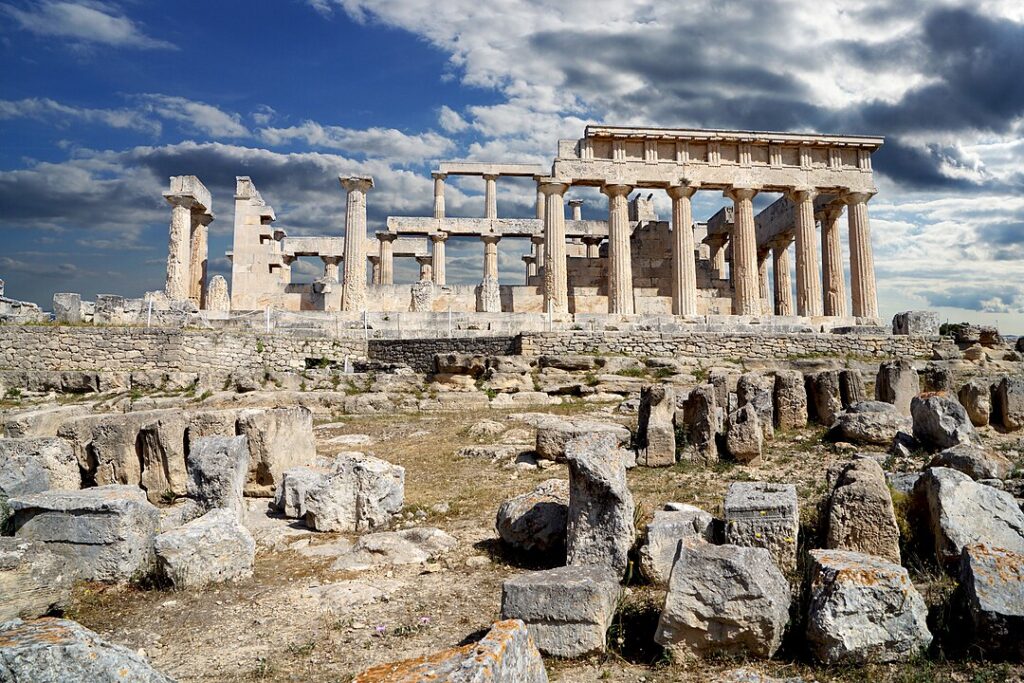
<point>419,353</point>
<point>49,347</point>
<point>713,345</point>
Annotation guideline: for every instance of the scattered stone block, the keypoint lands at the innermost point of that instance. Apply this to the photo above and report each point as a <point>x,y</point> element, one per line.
<point>567,610</point>
<point>51,650</point>
<point>554,434</point>
<point>961,511</point>
<point>824,396</point>
<point>35,465</point>
<point>486,429</point>
<point>764,515</point>
<point>669,527</point>
<point>1009,397</point>
<point>361,493</point>
<point>279,439</point>
<point>869,422</point>
<point>744,436</point>
<point>104,533</point>
<point>863,609</point>
<point>918,323</point>
<point>38,422</point>
<point>851,387</point>
<point>898,383</point>
<point>600,529</point>
<point>459,364</point>
<point>976,398</point>
<point>384,548</point>
<point>724,600</point>
<point>701,425</point>
<point>290,495</point>
<point>991,595</point>
<point>940,422</point>
<point>536,521</point>
<point>974,461</point>
<point>936,378</point>
<point>33,581</point>
<point>790,397</point>
<point>217,469</point>
<point>756,390</point>
<point>211,549</point>
<point>656,432</point>
<point>860,512</point>
<point>506,654</point>
<point>67,308</point>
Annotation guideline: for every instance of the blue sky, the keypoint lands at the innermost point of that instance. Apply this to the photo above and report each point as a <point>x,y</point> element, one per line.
<point>100,101</point>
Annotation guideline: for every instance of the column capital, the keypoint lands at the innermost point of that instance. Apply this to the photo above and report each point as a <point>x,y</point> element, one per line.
<point>616,189</point>
<point>537,239</point>
<point>682,191</point>
<point>490,239</point>
<point>183,200</point>
<point>592,239</point>
<point>856,197</point>
<point>575,202</point>
<point>529,258</point>
<point>781,242</point>
<point>437,175</point>
<point>330,260</point>
<point>362,183</point>
<point>436,237</point>
<point>550,186</point>
<point>204,218</point>
<point>387,236</point>
<point>490,176</point>
<point>424,259</point>
<point>830,212</point>
<point>801,194</point>
<point>373,258</point>
<point>740,193</point>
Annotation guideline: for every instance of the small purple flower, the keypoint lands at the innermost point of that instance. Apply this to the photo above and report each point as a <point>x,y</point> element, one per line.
<point>380,629</point>
<point>424,621</point>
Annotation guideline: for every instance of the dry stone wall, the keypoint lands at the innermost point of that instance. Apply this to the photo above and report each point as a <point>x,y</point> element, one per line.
<point>419,353</point>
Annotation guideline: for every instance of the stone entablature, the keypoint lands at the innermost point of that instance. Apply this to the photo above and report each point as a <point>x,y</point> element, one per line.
<point>477,227</point>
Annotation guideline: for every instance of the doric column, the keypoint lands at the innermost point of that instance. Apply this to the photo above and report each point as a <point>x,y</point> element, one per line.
<point>808,286</point>
<point>330,267</point>
<point>684,269</point>
<point>620,261</point>
<point>556,284</point>
<point>576,206</point>
<point>490,196</point>
<point>717,258</point>
<point>374,260</point>
<point>540,201</point>
<point>490,255</point>
<point>538,248</point>
<point>762,277</point>
<point>593,243</point>
<point>783,284</point>
<point>744,252</point>
<point>833,285</point>
<point>426,272</point>
<point>437,240</point>
<point>439,194</point>
<point>386,254</point>
<point>179,244</point>
<point>531,265</point>
<point>862,260</point>
<point>353,286</point>
<point>199,257</point>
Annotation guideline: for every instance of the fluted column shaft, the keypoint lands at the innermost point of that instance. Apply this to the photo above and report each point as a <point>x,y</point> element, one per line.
<point>717,258</point>
<point>833,285</point>
<point>783,284</point>
<point>490,196</point>
<point>808,286</point>
<point>438,240</point>
<point>862,260</point>
<point>744,253</point>
<point>330,267</point>
<point>576,206</point>
<point>374,269</point>
<point>538,247</point>
<point>199,257</point>
<point>684,268</point>
<point>531,265</point>
<point>620,260</point>
<point>353,287</point>
<point>439,194</point>
<point>540,203</point>
<point>556,284</point>
<point>177,286</point>
<point>387,258</point>
<point>490,256</point>
<point>762,278</point>
<point>593,246</point>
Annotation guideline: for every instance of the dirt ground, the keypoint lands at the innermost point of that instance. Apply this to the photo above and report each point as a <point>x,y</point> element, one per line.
<point>296,620</point>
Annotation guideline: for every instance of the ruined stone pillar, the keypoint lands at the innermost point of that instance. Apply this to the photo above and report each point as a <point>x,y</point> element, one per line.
<point>538,248</point>
<point>556,284</point>
<point>439,194</point>
<point>684,269</point>
<point>531,265</point>
<point>808,286</point>
<point>331,267</point>
<point>620,260</point>
<point>717,258</point>
<point>744,252</point>
<point>762,278</point>
<point>593,243</point>
<point>374,260</point>
<point>490,196</point>
<point>437,240</point>
<point>862,260</point>
<point>426,274</point>
<point>833,285</point>
<point>199,257</point>
<point>177,286</point>
<point>540,201</point>
<point>353,287</point>
<point>783,284</point>
<point>576,206</point>
<point>490,255</point>
<point>386,254</point>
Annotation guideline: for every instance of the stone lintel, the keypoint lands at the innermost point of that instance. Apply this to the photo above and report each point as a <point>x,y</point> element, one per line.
<point>475,227</point>
<point>476,168</point>
<point>871,142</point>
<point>189,186</point>
<point>356,182</point>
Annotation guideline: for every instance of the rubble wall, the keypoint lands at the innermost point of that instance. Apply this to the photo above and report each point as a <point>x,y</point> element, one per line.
<point>49,347</point>
<point>419,353</point>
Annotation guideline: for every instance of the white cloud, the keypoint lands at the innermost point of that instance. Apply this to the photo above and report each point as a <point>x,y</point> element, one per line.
<point>450,120</point>
<point>45,109</point>
<point>199,116</point>
<point>84,22</point>
<point>376,143</point>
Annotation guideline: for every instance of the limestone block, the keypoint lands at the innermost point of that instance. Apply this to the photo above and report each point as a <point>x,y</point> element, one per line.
<point>35,465</point>
<point>701,423</point>
<point>975,461</point>
<point>991,595</point>
<point>290,495</point>
<point>940,422</point>
<point>279,439</point>
<point>860,512</point>
<point>756,389</point>
<point>863,609</point>
<point>217,470</point>
<point>506,654</point>
<point>569,363</point>
<point>824,396</point>
<point>161,447</point>
<point>897,382</point>
<point>217,297</point>
<point>459,364</point>
<point>361,493</point>
<point>536,521</point>
<point>104,533</point>
<point>656,433</point>
<point>976,398</point>
<point>921,323</point>
<point>790,399</point>
<point>55,650</point>
<point>724,600</point>
<point>36,422</point>
<point>567,610</point>
<point>1009,397</point>
<point>682,523</point>
<point>554,435</point>
<point>935,377</point>
<point>386,548</point>
<point>743,435</point>
<point>869,422</point>
<point>960,511</point>
<point>600,529</point>
<point>67,308</point>
<point>764,515</point>
<point>33,580</point>
<point>211,549</point>
<point>851,387</point>
<point>488,296</point>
